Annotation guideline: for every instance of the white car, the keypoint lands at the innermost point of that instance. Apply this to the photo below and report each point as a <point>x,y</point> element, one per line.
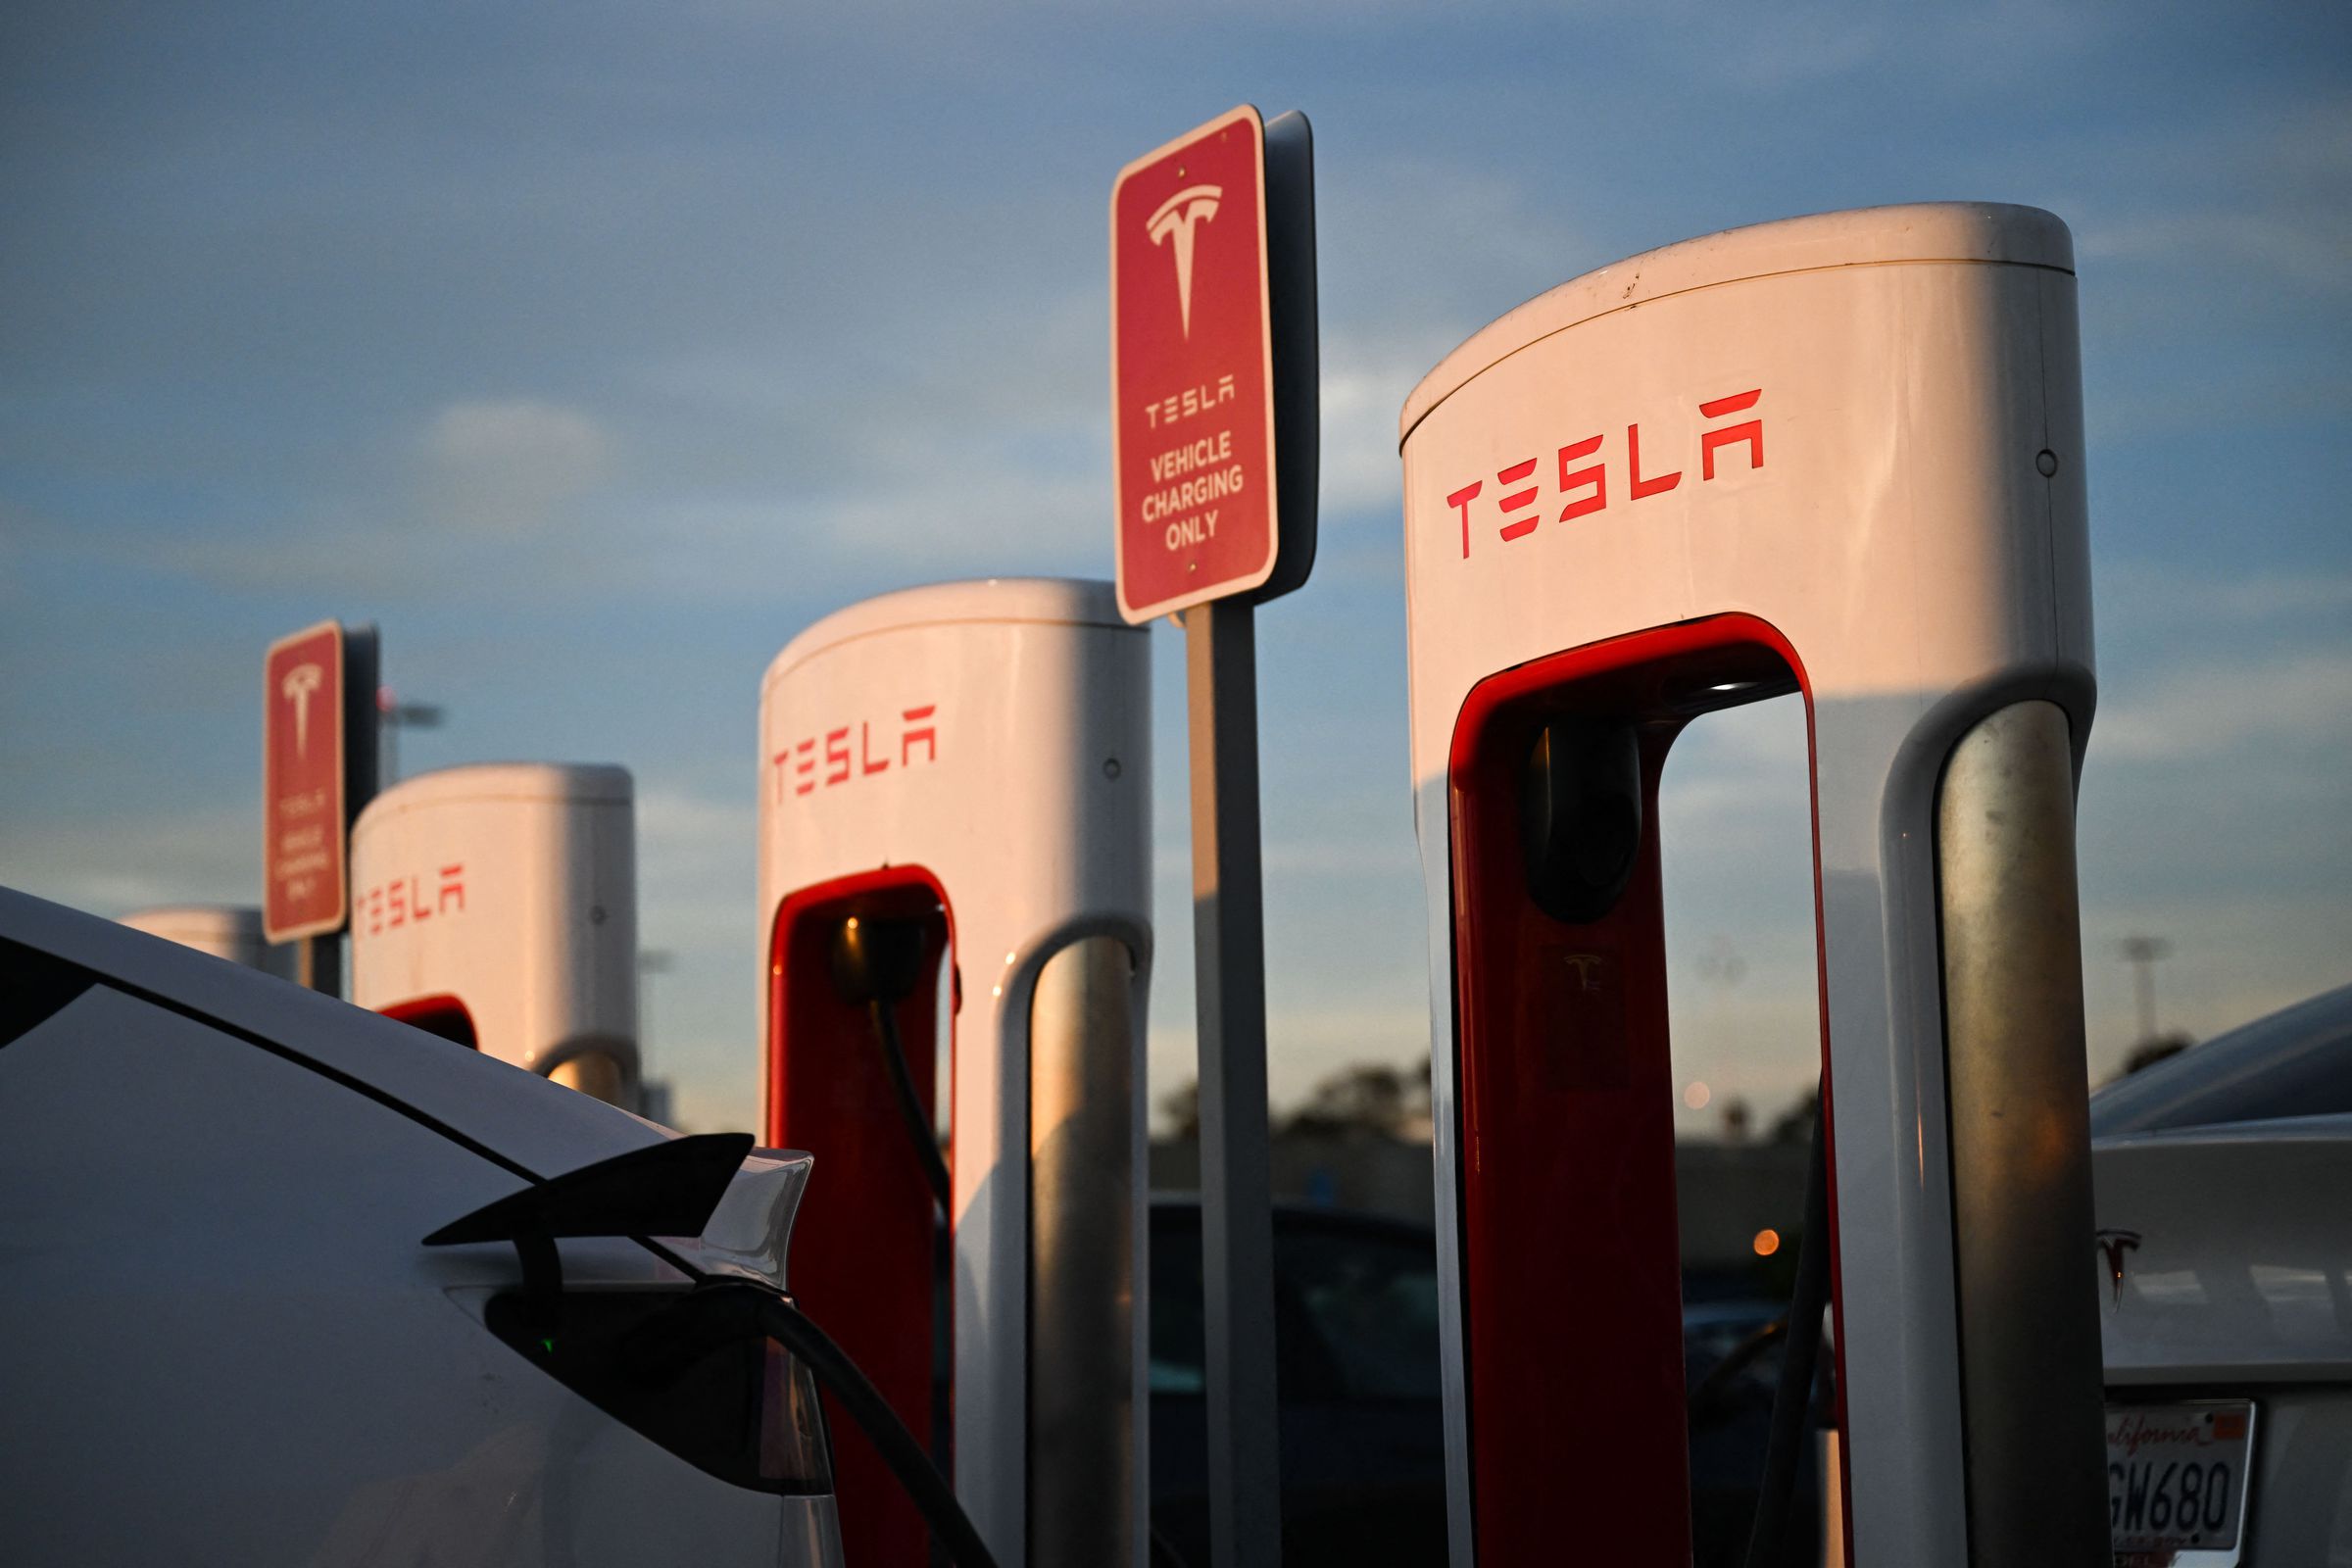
<point>2224,1180</point>
<point>228,1338</point>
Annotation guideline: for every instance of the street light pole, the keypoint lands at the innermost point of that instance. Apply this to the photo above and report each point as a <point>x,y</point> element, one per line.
<point>392,715</point>
<point>650,962</point>
<point>2141,953</point>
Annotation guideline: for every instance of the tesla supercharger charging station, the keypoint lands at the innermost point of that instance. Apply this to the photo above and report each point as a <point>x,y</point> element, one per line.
<point>971,762</point>
<point>497,906</point>
<point>1843,455</point>
<point>225,930</point>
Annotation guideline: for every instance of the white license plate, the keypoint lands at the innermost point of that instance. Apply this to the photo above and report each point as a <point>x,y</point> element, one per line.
<point>2177,1480</point>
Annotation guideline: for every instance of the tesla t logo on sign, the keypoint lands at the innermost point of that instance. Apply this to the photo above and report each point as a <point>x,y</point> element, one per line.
<point>1177,217</point>
<point>302,795</point>
<point>300,685</point>
<point>1192,370</point>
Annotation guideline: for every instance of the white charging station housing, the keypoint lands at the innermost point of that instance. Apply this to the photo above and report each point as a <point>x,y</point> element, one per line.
<point>1862,432</point>
<point>230,931</point>
<point>502,900</point>
<point>992,737</point>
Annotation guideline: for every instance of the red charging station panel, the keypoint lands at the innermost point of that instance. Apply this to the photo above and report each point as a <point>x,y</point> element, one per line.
<point>864,1246</point>
<point>1570,1238</point>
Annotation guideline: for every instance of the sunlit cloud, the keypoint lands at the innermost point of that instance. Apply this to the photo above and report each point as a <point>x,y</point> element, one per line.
<point>132,860</point>
<point>511,465</point>
<point>2239,709</point>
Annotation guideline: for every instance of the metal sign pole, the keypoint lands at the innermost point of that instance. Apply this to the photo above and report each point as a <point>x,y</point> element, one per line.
<point>320,962</point>
<point>1237,1222</point>
<point>363,733</point>
<point>1215,431</point>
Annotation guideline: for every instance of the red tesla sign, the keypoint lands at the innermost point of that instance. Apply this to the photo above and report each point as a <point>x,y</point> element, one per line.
<point>1192,370</point>
<point>302,784</point>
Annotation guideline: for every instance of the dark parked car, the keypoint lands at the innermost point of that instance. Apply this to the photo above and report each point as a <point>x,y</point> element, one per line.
<point>2293,1062</point>
<point>1363,1443</point>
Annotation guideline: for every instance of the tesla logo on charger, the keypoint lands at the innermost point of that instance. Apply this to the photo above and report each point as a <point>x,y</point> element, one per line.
<point>406,900</point>
<point>1582,468</point>
<point>1178,217</point>
<point>1586,964</point>
<point>2115,1246</point>
<point>800,761</point>
<point>300,685</point>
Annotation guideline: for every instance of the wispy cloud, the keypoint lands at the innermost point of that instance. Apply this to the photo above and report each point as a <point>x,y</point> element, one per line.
<point>2261,194</point>
<point>2312,249</point>
<point>2240,711</point>
<point>125,863</point>
<point>2150,596</point>
<point>1366,378</point>
<point>510,466</point>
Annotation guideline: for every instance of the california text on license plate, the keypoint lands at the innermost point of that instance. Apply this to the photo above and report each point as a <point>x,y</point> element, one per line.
<point>2176,1477</point>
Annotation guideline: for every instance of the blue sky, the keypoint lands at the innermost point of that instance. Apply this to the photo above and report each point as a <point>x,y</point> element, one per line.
<point>594,350</point>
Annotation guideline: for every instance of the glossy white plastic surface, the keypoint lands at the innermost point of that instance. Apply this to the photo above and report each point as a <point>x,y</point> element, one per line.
<point>225,1340</point>
<point>750,1230</point>
<point>1912,520</point>
<point>512,887</point>
<point>1031,806</point>
<point>473,1095</point>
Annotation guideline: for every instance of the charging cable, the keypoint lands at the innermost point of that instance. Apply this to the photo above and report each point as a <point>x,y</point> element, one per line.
<point>713,1315</point>
<point>877,964</point>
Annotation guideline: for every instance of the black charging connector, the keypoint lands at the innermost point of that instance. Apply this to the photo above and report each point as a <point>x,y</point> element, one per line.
<point>723,1312</point>
<point>1580,815</point>
<point>877,961</point>
<point>877,964</point>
